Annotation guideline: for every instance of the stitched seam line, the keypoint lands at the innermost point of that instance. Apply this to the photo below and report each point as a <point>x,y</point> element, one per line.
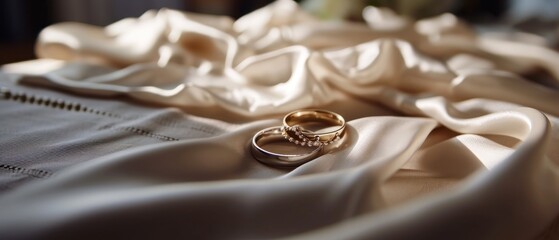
<point>30,172</point>
<point>147,133</point>
<point>7,94</point>
<point>24,98</point>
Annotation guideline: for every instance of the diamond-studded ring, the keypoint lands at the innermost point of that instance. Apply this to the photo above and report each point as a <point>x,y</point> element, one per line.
<point>293,131</point>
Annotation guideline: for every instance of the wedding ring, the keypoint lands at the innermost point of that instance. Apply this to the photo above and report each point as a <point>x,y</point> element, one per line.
<point>294,132</point>
<point>273,134</point>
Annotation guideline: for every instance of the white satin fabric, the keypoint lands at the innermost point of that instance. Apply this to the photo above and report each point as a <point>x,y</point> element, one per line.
<point>470,151</point>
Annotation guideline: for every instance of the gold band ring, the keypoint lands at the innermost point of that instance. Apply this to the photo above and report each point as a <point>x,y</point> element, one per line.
<point>294,132</point>
<point>274,134</point>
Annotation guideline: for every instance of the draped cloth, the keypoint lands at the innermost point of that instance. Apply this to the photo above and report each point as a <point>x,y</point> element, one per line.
<point>447,138</point>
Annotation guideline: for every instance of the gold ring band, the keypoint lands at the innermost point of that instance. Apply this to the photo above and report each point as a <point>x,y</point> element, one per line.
<point>274,134</point>
<point>294,132</point>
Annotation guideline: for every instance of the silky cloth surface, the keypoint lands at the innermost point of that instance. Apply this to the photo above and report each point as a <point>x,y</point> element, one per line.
<point>446,139</point>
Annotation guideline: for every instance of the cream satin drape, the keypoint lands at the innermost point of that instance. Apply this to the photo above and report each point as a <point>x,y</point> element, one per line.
<point>470,151</point>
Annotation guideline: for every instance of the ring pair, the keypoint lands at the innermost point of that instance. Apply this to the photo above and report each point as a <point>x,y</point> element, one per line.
<point>295,130</point>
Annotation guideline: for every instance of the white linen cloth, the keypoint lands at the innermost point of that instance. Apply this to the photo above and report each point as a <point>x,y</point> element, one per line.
<point>446,140</point>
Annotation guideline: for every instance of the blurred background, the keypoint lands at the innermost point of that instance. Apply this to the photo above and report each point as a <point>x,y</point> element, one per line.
<point>21,20</point>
